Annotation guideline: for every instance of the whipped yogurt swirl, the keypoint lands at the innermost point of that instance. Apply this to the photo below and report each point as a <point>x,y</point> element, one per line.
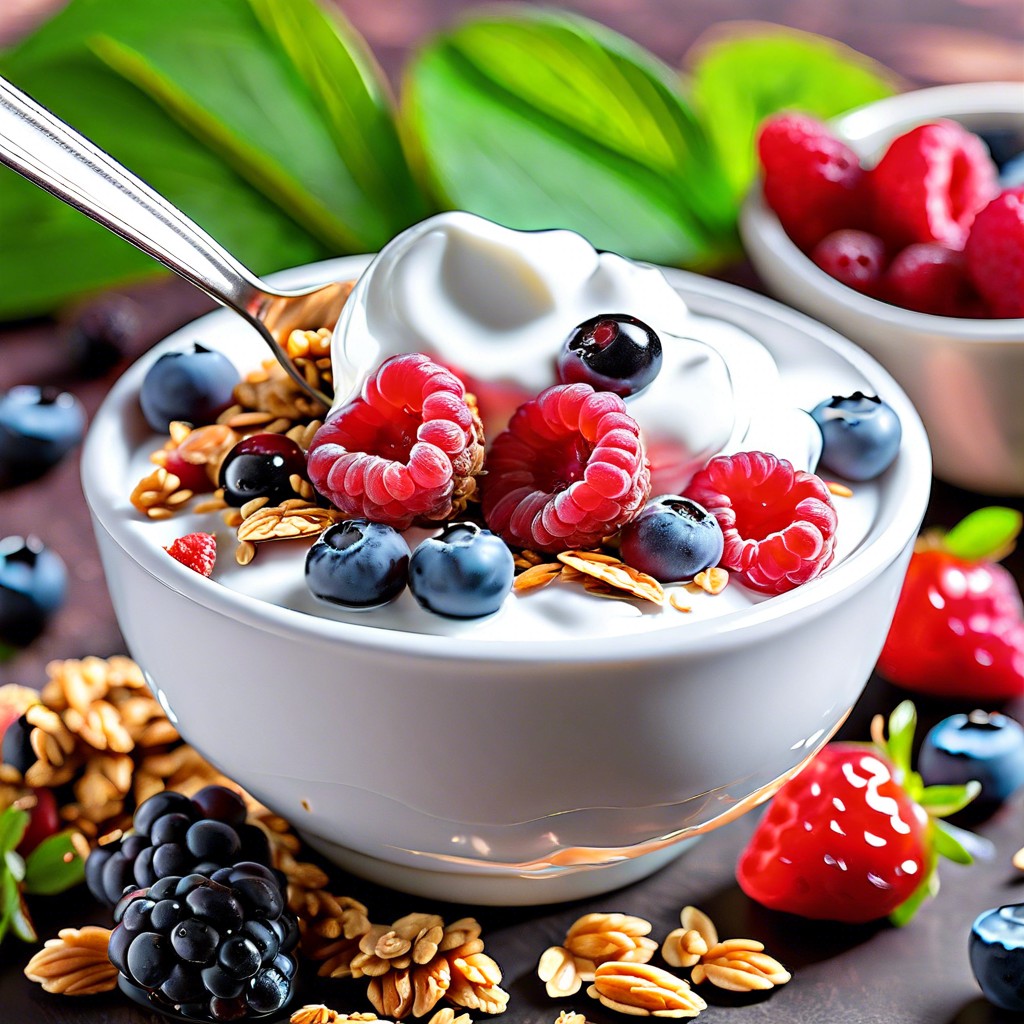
<point>495,305</point>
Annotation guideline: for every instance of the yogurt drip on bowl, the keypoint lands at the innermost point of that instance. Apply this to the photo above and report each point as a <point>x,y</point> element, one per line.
<point>495,305</point>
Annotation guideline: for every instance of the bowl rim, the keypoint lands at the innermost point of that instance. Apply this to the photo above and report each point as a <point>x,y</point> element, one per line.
<point>106,445</point>
<point>757,220</point>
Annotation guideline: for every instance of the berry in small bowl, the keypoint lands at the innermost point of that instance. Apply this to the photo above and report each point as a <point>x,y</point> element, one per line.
<point>465,572</point>
<point>672,539</point>
<point>38,427</point>
<point>959,356</point>
<point>861,435</point>
<point>195,386</point>
<point>985,746</point>
<point>996,950</point>
<point>358,564</point>
<point>611,352</point>
<point>262,466</point>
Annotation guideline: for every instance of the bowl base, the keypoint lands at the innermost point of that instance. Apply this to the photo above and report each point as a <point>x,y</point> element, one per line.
<point>502,887</point>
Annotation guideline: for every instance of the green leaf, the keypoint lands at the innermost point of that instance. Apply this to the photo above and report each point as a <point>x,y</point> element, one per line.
<point>14,865</point>
<point>988,533</point>
<point>13,822</point>
<point>928,888</point>
<point>941,801</point>
<point>902,723</point>
<point>53,866</point>
<point>948,846</point>
<point>13,912</point>
<point>541,119</point>
<point>741,74</point>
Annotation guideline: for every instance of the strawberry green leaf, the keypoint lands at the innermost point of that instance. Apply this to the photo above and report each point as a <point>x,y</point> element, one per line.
<point>902,723</point>
<point>741,74</point>
<point>13,822</point>
<point>988,533</point>
<point>941,801</point>
<point>928,888</point>
<point>947,845</point>
<point>13,912</point>
<point>53,866</point>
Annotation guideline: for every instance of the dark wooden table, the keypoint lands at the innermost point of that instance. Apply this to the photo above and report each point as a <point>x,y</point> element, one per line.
<point>842,975</point>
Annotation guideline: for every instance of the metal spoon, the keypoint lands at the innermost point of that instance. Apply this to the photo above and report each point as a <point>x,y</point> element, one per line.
<point>41,147</point>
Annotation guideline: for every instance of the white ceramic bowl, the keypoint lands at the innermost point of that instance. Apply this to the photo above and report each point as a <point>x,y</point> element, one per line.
<point>507,771</point>
<point>966,377</point>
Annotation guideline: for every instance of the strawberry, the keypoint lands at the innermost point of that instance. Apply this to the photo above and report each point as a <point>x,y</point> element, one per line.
<point>958,630</point>
<point>855,836</point>
<point>196,550</point>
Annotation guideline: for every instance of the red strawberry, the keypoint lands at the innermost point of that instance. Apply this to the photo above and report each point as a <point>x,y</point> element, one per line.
<point>196,550</point>
<point>958,630</point>
<point>855,836</point>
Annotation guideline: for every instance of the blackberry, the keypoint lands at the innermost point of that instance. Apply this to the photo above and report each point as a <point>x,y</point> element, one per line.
<point>187,839</point>
<point>222,955</point>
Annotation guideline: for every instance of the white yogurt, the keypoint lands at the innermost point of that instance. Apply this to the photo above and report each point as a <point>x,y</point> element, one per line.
<point>496,305</point>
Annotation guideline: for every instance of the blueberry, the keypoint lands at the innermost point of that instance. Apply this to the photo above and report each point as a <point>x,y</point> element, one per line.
<point>611,352</point>
<point>268,991</point>
<point>358,564</point>
<point>150,959</point>
<point>985,746</point>
<point>261,466</point>
<point>195,386</point>
<point>213,840</point>
<point>38,427</point>
<point>195,941</point>
<point>239,957</point>
<point>165,802</point>
<point>464,573</point>
<point>16,746</point>
<point>33,584</point>
<point>221,804</point>
<point>861,435</point>
<point>673,538</point>
<point>100,335</point>
<point>996,950</point>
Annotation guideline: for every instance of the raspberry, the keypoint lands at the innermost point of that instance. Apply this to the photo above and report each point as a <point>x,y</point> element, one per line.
<point>995,253</point>
<point>569,470</point>
<point>930,183</point>
<point>778,522</point>
<point>930,278</point>
<point>812,181</point>
<point>409,448</point>
<point>854,258</point>
<point>198,551</point>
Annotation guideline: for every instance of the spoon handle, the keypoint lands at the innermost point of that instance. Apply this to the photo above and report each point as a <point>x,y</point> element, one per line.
<point>37,144</point>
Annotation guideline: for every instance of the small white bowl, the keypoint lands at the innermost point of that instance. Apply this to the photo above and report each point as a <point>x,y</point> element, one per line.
<point>966,377</point>
<point>508,770</point>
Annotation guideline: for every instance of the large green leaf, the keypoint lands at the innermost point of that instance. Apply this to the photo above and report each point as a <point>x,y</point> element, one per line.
<point>539,119</point>
<point>53,866</point>
<point>747,71</point>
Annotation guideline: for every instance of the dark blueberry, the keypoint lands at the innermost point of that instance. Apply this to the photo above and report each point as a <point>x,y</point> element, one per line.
<point>150,959</point>
<point>985,746</point>
<point>229,1009</point>
<point>255,845</point>
<point>213,840</point>
<point>264,938</point>
<point>145,873</point>
<point>463,573</point>
<point>187,883</point>
<point>1011,174</point>
<point>285,964</point>
<point>16,748</point>
<point>195,941</point>
<point>137,916</point>
<point>171,859</point>
<point>268,991</point>
<point>239,957</point>
<point>611,352</point>
<point>358,564</point>
<point>222,876</point>
<point>261,466</point>
<point>127,899</point>
<point>166,913</point>
<point>996,950</point>
<point>260,898</point>
<point>166,802</point>
<point>184,984</point>
<point>672,539</point>
<point>861,435</point>
<point>287,929</point>
<point>38,427</point>
<point>101,334</point>
<point>195,386</point>
<point>117,947</point>
<point>170,828</point>
<point>218,905</point>
<point>221,804</point>
<point>206,868</point>
<point>251,869</point>
<point>94,868</point>
<point>33,583</point>
<point>220,984</point>
<point>133,845</point>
